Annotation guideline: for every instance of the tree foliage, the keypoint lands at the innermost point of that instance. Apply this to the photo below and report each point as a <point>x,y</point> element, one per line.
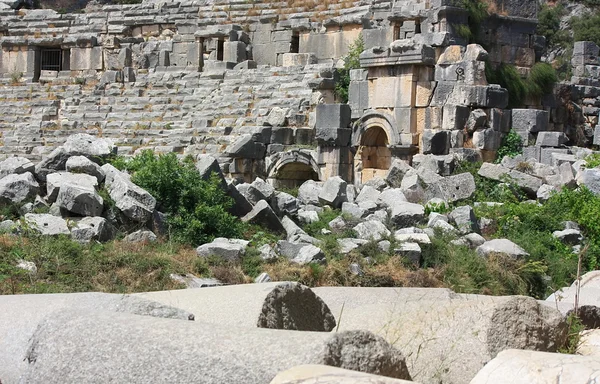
<point>351,61</point>
<point>198,210</point>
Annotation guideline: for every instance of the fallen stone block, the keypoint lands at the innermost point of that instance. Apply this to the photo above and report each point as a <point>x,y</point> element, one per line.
<point>263,214</point>
<point>465,220</point>
<point>447,337</point>
<point>18,188</point>
<point>515,366</point>
<point>501,246</point>
<point>405,214</point>
<point>227,249</point>
<point>279,305</point>
<point>214,353</point>
<point>590,178</point>
<point>133,201</point>
<point>47,225</point>
<point>80,200</point>
<point>92,228</point>
<point>411,251</point>
<point>333,192</point>
<point>371,230</point>
<point>55,180</point>
<point>451,188</point>
<point>81,164</point>
<point>309,191</point>
<point>141,236</point>
<point>396,173</point>
<point>15,165</point>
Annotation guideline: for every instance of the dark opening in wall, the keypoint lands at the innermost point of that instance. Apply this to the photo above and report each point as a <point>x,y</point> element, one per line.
<point>295,44</point>
<point>51,59</point>
<point>417,26</point>
<point>220,49</point>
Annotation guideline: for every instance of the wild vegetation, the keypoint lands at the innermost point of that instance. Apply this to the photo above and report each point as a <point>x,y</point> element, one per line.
<point>351,61</point>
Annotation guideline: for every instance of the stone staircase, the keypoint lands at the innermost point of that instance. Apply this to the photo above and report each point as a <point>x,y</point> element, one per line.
<point>167,111</point>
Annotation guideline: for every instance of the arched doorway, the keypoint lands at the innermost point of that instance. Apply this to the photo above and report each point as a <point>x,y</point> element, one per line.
<point>374,154</point>
<point>291,169</point>
<point>292,175</point>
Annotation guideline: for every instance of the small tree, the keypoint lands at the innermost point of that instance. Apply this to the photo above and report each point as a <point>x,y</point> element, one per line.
<point>351,61</point>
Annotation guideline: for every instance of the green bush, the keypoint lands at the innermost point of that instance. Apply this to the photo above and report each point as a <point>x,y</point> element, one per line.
<point>477,11</point>
<point>592,160</point>
<point>351,61</point>
<point>540,81</point>
<point>198,210</point>
<point>549,23</point>
<point>512,145</point>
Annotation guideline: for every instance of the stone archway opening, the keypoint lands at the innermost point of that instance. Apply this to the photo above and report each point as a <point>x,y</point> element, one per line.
<point>293,175</point>
<point>374,153</point>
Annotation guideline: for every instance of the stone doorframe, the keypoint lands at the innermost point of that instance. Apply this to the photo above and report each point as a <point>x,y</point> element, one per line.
<point>372,120</point>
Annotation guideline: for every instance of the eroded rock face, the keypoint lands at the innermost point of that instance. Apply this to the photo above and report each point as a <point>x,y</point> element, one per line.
<point>294,306</point>
<point>133,201</point>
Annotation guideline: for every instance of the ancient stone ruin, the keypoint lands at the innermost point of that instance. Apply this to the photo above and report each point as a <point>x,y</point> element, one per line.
<point>253,84</point>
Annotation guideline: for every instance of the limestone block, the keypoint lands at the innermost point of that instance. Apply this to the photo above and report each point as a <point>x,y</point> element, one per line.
<point>15,165</point>
<point>529,120</point>
<point>437,328</point>
<point>406,119</point>
<point>92,228</point>
<point>18,188</point>
<point>86,58</point>
<point>597,135</point>
<point>263,214</point>
<point>500,119</point>
<point>333,116</point>
<point>234,51</point>
<point>46,224</point>
<point>436,142</point>
<point>227,249</point>
<point>371,230</point>
<point>501,246</point>
<point>530,367</point>
<point>451,55</point>
<point>585,48</point>
<point>134,202</point>
<point>428,118</point>
<point>455,117</point>
<point>487,139</point>
<point>298,59</point>
<point>79,199</point>
<point>451,188</point>
<point>424,93</point>
<point>551,139</point>
<point>358,97</point>
<point>333,192</point>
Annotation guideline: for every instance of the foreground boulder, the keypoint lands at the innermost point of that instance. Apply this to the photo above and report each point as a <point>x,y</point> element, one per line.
<point>56,180</point>
<point>153,350</point>
<point>270,305</point>
<point>21,315</point>
<point>447,337</point>
<point>333,192</point>
<point>80,200</point>
<point>92,228</point>
<point>18,188</point>
<point>528,367</point>
<point>323,374</point>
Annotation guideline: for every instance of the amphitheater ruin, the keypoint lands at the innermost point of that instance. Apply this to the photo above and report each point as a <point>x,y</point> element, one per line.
<point>253,83</point>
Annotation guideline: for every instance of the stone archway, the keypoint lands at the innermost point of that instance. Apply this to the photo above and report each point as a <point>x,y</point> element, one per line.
<point>291,169</point>
<point>372,136</point>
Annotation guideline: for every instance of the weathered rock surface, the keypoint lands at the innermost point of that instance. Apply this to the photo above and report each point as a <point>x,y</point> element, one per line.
<point>228,249</point>
<point>371,230</point>
<point>501,246</point>
<point>141,236</point>
<point>323,374</point>
<point>18,188</point>
<point>47,225</point>
<point>55,180</point>
<point>269,305</point>
<point>529,367</point>
<point>447,337</point>
<point>81,164</point>
<point>21,315</point>
<point>92,228</point>
<point>134,202</point>
<point>80,200</point>
<point>263,214</point>
<point>16,165</point>
<point>214,353</point>
<point>333,192</point>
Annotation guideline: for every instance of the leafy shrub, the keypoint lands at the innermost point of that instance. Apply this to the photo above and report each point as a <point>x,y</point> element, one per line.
<point>592,160</point>
<point>198,210</point>
<point>549,23</point>
<point>512,145</point>
<point>477,11</point>
<point>351,61</point>
<point>541,80</point>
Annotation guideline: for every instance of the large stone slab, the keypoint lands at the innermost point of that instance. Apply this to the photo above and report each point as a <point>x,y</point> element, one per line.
<point>282,305</point>
<point>15,165</point>
<point>163,350</point>
<point>21,315</point>
<point>446,337</point>
<point>133,201</point>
